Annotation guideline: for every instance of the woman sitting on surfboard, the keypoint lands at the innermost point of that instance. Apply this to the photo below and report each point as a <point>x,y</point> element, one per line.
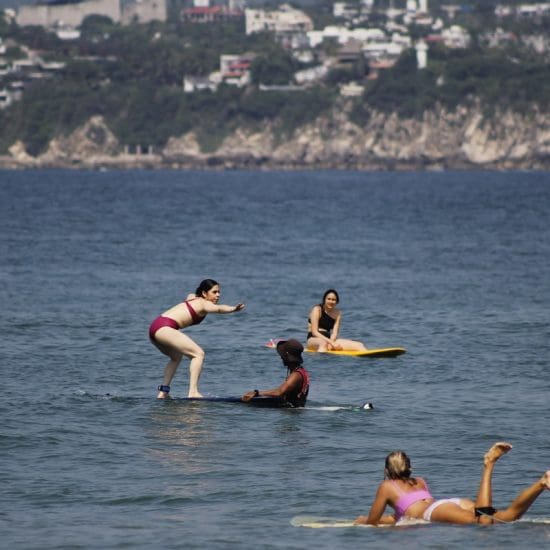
<point>295,388</point>
<point>410,496</point>
<point>165,334</point>
<point>324,325</point>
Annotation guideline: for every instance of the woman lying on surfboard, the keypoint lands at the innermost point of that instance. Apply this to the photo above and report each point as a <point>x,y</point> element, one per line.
<point>410,497</point>
<point>295,388</point>
<point>165,334</point>
<point>324,325</point>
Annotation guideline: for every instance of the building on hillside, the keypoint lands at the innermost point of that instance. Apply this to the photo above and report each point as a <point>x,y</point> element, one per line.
<point>533,10</point>
<point>344,10</point>
<point>451,10</point>
<point>8,15</point>
<point>311,75</point>
<point>71,13</point>
<point>350,53</point>
<point>421,54</point>
<point>456,37</point>
<point>235,69</point>
<point>342,35</point>
<point>352,89</point>
<point>67,33</point>
<point>143,11</point>
<point>497,38</point>
<point>198,83</point>
<point>208,14</point>
<point>66,13</point>
<point>284,20</point>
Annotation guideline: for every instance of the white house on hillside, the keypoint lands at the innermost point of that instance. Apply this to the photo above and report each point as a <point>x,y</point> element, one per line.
<point>456,37</point>
<point>284,20</point>
<point>71,14</point>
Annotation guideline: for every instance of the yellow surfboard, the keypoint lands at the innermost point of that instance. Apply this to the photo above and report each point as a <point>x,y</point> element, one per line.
<point>378,352</point>
<point>381,352</point>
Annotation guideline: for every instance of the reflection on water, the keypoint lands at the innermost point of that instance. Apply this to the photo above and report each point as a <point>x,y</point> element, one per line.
<point>178,430</point>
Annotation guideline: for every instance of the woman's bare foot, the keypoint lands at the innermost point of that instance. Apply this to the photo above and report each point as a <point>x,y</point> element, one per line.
<point>195,394</point>
<point>545,480</point>
<point>163,395</point>
<point>496,451</point>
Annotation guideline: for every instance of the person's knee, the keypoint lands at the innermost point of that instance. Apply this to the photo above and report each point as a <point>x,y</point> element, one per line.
<point>197,353</point>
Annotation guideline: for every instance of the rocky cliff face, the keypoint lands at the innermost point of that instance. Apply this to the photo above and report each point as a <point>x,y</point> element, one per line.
<point>455,140</point>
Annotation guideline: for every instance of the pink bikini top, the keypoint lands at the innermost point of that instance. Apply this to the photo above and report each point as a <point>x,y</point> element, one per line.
<point>409,498</point>
<point>194,315</point>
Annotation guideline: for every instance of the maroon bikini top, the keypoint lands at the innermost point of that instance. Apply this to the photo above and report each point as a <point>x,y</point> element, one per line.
<point>194,315</point>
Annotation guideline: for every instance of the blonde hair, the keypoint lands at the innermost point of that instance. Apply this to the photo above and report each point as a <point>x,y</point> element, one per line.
<point>398,466</point>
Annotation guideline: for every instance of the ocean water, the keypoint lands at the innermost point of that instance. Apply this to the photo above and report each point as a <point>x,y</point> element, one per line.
<point>453,266</point>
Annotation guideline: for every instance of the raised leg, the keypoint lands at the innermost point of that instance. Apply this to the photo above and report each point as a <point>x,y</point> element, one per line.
<point>485,492</point>
<point>523,501</point>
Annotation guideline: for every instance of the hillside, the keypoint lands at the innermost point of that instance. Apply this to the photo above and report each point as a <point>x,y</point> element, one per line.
<point>119,100</point>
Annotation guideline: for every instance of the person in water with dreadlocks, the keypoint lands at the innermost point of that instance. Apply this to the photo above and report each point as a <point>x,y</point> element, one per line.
<point>295,388</point>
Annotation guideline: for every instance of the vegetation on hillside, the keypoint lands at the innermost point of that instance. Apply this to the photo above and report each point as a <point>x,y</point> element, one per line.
<point>133,76</point>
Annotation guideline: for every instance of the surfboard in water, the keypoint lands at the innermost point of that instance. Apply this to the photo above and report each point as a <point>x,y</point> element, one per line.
<point>380,352</point>
<point>375,352</point>
<point>316,522</point>
<point>276,402</point>
<point>259,401</point>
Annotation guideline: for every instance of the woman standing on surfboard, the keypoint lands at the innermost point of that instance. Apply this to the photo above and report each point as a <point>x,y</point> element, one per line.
<point>410,497</point>
<point>165,334</point>
<point>324,325</point>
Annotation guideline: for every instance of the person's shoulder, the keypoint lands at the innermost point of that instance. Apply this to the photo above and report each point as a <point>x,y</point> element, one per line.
<point>191,296</point>
<point>422,481</point>
<point>386,487</point>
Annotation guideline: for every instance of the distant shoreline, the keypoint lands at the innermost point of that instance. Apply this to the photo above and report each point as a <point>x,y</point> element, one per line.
<point>10,164</point>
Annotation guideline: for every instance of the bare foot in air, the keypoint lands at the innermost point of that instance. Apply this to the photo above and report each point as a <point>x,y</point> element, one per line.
<point>496,451</point>
<point>545,480</point>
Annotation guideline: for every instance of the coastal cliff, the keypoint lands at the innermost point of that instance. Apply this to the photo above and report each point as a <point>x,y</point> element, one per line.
<point>462,139</point>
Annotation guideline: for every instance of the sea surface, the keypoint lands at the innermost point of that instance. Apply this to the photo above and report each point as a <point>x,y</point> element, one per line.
<point>453,266</point>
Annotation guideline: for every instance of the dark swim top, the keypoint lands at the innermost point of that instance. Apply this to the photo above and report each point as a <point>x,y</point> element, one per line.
<point>196,318</point>
<point>325,325</point>
<point>298,398</point>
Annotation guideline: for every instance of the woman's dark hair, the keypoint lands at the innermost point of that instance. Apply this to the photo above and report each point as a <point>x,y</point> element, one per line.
<point>205,286</point>
<point>330,291</point>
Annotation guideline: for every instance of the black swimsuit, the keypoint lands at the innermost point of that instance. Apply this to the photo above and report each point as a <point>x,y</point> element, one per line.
<point>326,324</point>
